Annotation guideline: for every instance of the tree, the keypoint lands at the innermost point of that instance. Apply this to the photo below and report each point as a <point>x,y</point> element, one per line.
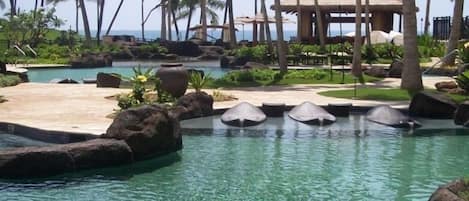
<point>411,74</point>
<point>455,33</point>
<point>320,26</point>
<point>357,45</point>
<point>203,18</point>
<point>86,24</point>
<point>114,17</point>
<point>427,18</point>
<point>281,49</point>
<point>231,19</point>
<point>12,8</point>
<point>270,48</point>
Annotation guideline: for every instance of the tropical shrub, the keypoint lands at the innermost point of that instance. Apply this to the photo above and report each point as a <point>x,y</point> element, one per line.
<point>137,96</point>
<point>219,96</point>
<point>295,49</point>
<point>257,53</point>
<point>9,80</point>
<point>463,81</point>
<point>464,53</point>
<point>316,74</point>
<point>197,81</point>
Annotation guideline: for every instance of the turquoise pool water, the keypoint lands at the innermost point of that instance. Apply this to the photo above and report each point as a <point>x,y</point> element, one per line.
<point>45,75</point>
<point>278,160</point>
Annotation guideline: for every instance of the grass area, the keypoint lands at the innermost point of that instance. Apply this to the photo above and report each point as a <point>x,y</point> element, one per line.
<point>256,78</point>
<point>9,80</point>
<point>381,94</point>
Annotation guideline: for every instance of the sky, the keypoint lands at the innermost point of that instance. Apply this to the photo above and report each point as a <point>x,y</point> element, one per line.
<point>130,15</point>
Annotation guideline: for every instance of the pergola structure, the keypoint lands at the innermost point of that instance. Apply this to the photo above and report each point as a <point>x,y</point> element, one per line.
<point>381,14</point>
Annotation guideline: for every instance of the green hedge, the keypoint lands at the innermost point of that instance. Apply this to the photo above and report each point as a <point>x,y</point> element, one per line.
<point>9,80</point>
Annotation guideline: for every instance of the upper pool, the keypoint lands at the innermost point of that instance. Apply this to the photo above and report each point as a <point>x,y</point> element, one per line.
<point>45,75</point>
<point>277,160</point>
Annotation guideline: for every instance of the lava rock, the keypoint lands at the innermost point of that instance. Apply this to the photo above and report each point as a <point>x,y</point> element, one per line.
<point>184,48</point>
<point>196,104</point>
<point>377,71</point>
<point>310,113</point>
<point>255,65</point>
<point>445,86</point>
<point>106,80</point>
<point>395,70</point>
<point>389,116</point>
<point>92,60</point>
<point>432,105</point>
<point>64,81</point>
<point>450,192</point>
<point>243,115</point>
<point>148,130</point>
<point>461,116</point>
<point>34,162</point>
<point>99,153</point>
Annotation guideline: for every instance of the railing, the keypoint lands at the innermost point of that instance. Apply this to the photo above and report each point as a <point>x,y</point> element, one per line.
<point>442,27</point>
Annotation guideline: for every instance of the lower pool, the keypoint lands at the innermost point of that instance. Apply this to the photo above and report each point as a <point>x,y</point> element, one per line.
<point>278,160</point>
<point>14,141</point>
<point>45,75</point>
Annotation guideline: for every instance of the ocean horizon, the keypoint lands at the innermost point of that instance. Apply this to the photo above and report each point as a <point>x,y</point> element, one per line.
<point>213,34</point>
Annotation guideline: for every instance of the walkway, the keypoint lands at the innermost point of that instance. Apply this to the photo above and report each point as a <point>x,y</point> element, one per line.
<point>83,108</point>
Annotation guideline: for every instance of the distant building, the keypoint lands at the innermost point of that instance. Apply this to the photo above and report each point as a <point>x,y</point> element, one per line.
<point>336,11</point>
<point>126,40</point>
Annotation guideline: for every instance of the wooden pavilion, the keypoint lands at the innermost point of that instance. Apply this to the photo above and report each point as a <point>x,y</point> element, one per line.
<point>336,11</point>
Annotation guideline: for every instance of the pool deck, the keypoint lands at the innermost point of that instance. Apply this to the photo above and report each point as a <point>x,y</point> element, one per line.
<point>83,108</point>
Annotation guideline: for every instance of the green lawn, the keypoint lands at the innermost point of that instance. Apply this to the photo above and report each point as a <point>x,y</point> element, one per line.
<point>381,94</point>
<point>298,78</point>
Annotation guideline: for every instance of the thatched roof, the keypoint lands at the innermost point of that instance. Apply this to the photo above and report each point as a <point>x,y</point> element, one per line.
<point>336,6</point>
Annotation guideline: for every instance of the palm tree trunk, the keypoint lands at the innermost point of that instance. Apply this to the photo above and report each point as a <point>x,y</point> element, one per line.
<point>298,20</point>
<point>163,20</point>
<point>114,17</point>
<point>322,38</point>
<point>367,23</point>
<point>357,45</point>
<point>225,16</point>
<point>203,16</point>
<point>232,28</point>
<point>143,20</point>
<point>176,27</point>
<point>12,8</point>
<point>411,74</point>
<point>100,20</point>
<point>86,24</point>
<point>281,49</point>
<point>191,10</point>
<point>169,10</point>
<point>77,10</point>
<point>427,18</point>
<point>270,47</point>
<point>455,33</point>
<point>36,3</point>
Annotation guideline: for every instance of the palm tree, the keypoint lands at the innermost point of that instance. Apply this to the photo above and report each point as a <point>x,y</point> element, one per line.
<point>114,17</point>
<point>367,23</point>
<point>427,18</point>
<point>281,49</point>
<point>455,33</point>
<point>320,28</point>
<point>298,20</point>
<point>86,24</point>
<point>99,18</point>
<point>231,20</point>
<point>203,18</point>
<point>270,47</point>
<point>12,8</point>
<point>411,74</point>
<point>191,6</point>
<point>357,45</point>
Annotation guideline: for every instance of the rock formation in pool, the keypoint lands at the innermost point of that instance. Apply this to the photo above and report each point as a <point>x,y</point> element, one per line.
<point>243,115</point>
<point>148,130</point>
<point>193,105</point>
<point>432,105</point>
<point>310,113</point>
<point>389,116</point>
<point>454,191</point>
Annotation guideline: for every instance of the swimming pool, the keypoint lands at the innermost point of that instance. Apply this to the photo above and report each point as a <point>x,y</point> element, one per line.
<point>44,75</point>
<point>278,160</point>
<point>15,141</point>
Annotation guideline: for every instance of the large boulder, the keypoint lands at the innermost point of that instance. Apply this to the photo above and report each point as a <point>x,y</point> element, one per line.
<point>376,71</point>
<point>92,60</point>
<point>451,191</point>
<point>233,62</point>
<point>310,113</point>
<point>395,70</point>
<point>389,116</point>
<point>34,162</point>
<point>148,130</point>
<point>99,153</point>
<point>56,159</point>
<point>106,80</point>
<point>243,115</point>
<point>211,52</point>
<point>184,48</point>
<point>461,116</point>
<point>193,105</point>
<point>432,105</point>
